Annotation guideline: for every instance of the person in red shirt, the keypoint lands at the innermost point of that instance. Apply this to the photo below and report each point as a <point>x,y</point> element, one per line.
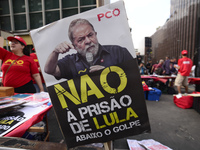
<point>18,67</point>
<point>184,67</point>
<point>157,68</point>
<point>34,56</point>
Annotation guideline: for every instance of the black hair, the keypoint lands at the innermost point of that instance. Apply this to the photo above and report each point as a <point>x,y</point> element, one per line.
<point>25,50</point>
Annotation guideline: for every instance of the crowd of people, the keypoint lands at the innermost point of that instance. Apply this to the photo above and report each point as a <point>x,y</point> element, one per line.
<point>169,67</point>
<point>163,67</point>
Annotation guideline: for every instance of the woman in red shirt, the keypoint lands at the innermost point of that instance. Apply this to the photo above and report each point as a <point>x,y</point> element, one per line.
<point>18,67</point>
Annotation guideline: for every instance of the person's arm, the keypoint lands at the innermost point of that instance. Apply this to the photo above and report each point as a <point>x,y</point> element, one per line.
<point>39,69</point>
<point>163,72</point>
<point>0,64</point>
<point>38,80</point>
<point>51,66</point>
<point>177,66</point>
<point>164,67</point>
<point>152,69</point>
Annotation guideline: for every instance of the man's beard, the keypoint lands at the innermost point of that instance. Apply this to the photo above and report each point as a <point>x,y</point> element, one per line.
<point>89,49</point>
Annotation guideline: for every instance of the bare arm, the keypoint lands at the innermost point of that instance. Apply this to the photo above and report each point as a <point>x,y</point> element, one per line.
<point>51,66</point>
<point>176,66</point>
<point>38,80</point>
<point>39,69</point>
<point>152,68</point>
<point>0,64</point>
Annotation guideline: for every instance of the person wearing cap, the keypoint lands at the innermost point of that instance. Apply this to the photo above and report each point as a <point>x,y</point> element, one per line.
<point>34,56</point>
<point>184,67</point>
<point>18,67</point>
<point>90,57</point>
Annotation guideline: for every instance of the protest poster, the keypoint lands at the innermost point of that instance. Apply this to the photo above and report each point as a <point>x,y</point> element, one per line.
<point>92,75</point>
<point>13,119</point>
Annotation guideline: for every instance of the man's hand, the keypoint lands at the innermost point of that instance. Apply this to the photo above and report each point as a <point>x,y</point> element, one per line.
<point>63,47</point>
<point>176,66</point>
<point>51,63</point>
<point>96,68</point>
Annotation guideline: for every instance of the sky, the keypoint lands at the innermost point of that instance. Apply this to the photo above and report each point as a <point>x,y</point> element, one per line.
<point>144,16</point>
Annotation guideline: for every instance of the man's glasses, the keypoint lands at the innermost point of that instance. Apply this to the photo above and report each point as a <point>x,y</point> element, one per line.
<point>14,42</point>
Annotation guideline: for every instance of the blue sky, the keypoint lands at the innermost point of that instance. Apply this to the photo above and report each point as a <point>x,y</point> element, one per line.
<point>144,17</point>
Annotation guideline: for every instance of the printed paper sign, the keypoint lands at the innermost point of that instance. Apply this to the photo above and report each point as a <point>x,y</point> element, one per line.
<point>149,144</point>
<point>90,69</point>
<point>13,119</point>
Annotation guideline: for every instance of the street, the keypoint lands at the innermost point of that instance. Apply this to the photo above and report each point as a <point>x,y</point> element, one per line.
<point>172,126</point>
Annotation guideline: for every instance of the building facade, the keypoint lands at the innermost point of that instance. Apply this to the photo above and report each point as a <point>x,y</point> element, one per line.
<point>20,16</point>
<point>181,31</point>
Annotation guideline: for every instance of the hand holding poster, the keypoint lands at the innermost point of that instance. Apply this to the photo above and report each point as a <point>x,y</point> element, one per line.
<point>92,75</point>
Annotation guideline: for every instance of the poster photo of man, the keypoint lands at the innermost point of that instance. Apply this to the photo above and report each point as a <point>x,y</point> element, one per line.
<point>90,68</point>
<point>91,55</point>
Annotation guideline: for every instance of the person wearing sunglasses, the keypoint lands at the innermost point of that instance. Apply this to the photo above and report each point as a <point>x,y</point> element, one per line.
<point>18,67</point>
